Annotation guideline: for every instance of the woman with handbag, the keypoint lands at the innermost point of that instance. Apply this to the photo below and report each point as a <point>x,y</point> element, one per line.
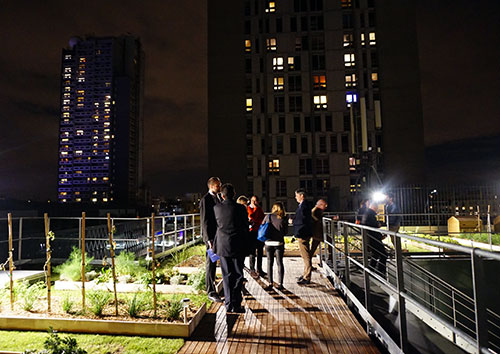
<point>255,217</point>
<point>275,243</point>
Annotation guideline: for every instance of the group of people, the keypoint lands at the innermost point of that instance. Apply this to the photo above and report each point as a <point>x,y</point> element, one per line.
<point>367,215</point>
<point>230,230</point>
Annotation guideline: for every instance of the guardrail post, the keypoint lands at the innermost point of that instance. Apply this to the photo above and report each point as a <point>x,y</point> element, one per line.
<point>184,233</point>
<point>403,332</point>
<point>192,227</point>
<point>148,232</point>
<point>343,228</point>
<point>366,275</point>
<point>479,289</point>
<point>82,232</point>
<point>11,263</point>
<point>175,230</point>
<point>20,241</point>
<point>332,248</point>
<point>163,234</point>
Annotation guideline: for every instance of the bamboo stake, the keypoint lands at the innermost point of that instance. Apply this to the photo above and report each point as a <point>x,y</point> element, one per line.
<point>49,255</point>
<point>11,264</point>
<point>153,268</point>
<point>112,251</point>
<point>83,261</point>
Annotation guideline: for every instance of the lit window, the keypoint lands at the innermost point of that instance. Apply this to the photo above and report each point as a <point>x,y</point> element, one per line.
<point>94,200</point>
<point>80,99</point>
<point>67,70</point>
<point>67,89</point>
<point>65,101</point>
<point>271,6</point>
<point>320,102</point>
<point>104,199</point>
<point>81,79</point>
<point>372,38</point>
<point>249,105</point>
<point>105,178</point>
<point>82,60</point>
<point>349,60</point>
<point>271,44</point>
<point>79,132</point>
<point>78,152</point>
<point>319,82</point>
<point>248,45</point>
<point>64,153</point>
<point>347,39</point>
<point>351,97</point>
<point>94,179</point>
<point>107,124</point>
<point>374,77</point>
<point>274,166</point>
<point>81,92</point>
<point>362,39</point>
<point>78,199</point>
<point>346,3</point>
<point>279,83</point>
<point>67,57</point>
<point>66,114</point>
<point>278,63</point>
<point>350,80</point>
<point>67,95</point>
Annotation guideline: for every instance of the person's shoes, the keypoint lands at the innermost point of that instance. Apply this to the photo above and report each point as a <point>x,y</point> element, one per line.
<point>269,287</point>
<point>280,287</point>
<point>215,298</point>
<point>314,269</point>
<point>245,280</point>
<point>300,278</point>
<point>303,282</point>
<point>262,274</point>
<point>254,274</point>
<point>239,309</point>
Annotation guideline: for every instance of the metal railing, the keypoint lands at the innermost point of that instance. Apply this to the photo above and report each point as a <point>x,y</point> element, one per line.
<point>369,273</point>
<point>130,234</point>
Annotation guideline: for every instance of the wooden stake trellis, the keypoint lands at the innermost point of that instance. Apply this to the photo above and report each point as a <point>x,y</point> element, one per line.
<point>112,252</point>
<point>83,261</point>
<point>48,236</point>
<point>11,264</point>
<point>153,268</point>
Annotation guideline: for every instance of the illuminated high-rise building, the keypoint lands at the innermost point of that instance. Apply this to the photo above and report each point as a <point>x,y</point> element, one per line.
<point>101,133</point>
<point>296,97</point>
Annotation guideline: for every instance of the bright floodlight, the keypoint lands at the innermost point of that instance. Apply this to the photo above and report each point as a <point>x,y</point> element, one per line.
<point>378,197</point>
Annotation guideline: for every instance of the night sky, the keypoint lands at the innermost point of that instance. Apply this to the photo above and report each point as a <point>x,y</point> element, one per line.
<point>459,52</point>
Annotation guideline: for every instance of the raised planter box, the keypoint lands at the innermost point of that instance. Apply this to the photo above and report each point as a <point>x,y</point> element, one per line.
<point>124,288</point>
<point>76,325</point>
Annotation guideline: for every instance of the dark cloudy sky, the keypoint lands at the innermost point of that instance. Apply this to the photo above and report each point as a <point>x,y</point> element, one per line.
<point>459,51</point>
<point>32,36</point>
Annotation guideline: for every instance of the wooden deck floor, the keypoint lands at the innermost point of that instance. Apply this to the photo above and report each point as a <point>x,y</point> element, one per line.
<point>301,319</point>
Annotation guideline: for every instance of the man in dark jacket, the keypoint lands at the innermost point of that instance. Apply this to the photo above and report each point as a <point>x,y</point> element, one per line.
<point>378,253</point>
<point>208,229</point>
<point>230,241</point>
<point>302,229</point>
<point>317,224</point>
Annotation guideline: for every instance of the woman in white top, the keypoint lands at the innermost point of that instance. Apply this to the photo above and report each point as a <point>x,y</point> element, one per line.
<point>275,245</point>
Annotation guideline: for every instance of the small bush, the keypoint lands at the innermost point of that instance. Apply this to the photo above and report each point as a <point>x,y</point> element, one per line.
<point>197,280</point>
<point>146,278</point>
<point>104,276</point>
<point>72,268</point>
<point>174,310</point>
<point>125,264</point>
<point>138,303</point>
<point>57,345</point>
<point>177,279</point>
<point>68,304</point>
<point>98,301</point>
<point>28,294</point>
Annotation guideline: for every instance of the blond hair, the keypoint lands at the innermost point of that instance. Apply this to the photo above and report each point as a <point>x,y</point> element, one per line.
<point>278,209</point>
<point>242,200</point>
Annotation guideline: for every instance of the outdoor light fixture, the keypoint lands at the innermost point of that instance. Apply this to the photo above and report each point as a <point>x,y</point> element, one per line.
<point>378,197</point>
<point>185,305</point>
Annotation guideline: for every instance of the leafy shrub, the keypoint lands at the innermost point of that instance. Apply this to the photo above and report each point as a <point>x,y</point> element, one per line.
<point>68,304</point>
<point>72,268</point>
<point>57,345</point>
<point>28,294</point>
<point>138,303</point>
<point>177,279</point>
<point>174,310</point>
<point>146,278</point>
<point>104,276</point>
<point>98,300</point>
<point>197,280</point>
<point>125,264</point>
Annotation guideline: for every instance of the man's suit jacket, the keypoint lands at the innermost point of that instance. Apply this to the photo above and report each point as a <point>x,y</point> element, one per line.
<point>232,229</point>
<point>370,219</point>
<point>302,222</point>
<point>317,223</point>
<point>207,216</point>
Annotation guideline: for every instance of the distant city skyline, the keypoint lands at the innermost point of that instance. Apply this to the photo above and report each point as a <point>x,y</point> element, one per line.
<point>457,49</point>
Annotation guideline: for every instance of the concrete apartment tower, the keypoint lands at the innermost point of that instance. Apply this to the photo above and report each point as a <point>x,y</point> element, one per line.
<point>313,94</point>
<point>101,123</point>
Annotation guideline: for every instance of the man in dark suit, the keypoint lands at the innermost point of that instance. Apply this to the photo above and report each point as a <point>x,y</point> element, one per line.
<point>230,241</point>
<point>378,253</point>
<point>302,229</point>
<point>209,228</point>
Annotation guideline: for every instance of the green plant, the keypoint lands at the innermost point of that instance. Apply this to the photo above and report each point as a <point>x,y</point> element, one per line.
<point>97,301</point>
<point>125,264</point>
<point>197,280</point>
<point>28,294</point>
<point>138,303</point>
<point>57,345</point>
<point>67,304</point>
<point>176,279</point>
<point>174,310</point>
<point>146,278</point>
<point>72,268</point>
<point>104,276</point>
